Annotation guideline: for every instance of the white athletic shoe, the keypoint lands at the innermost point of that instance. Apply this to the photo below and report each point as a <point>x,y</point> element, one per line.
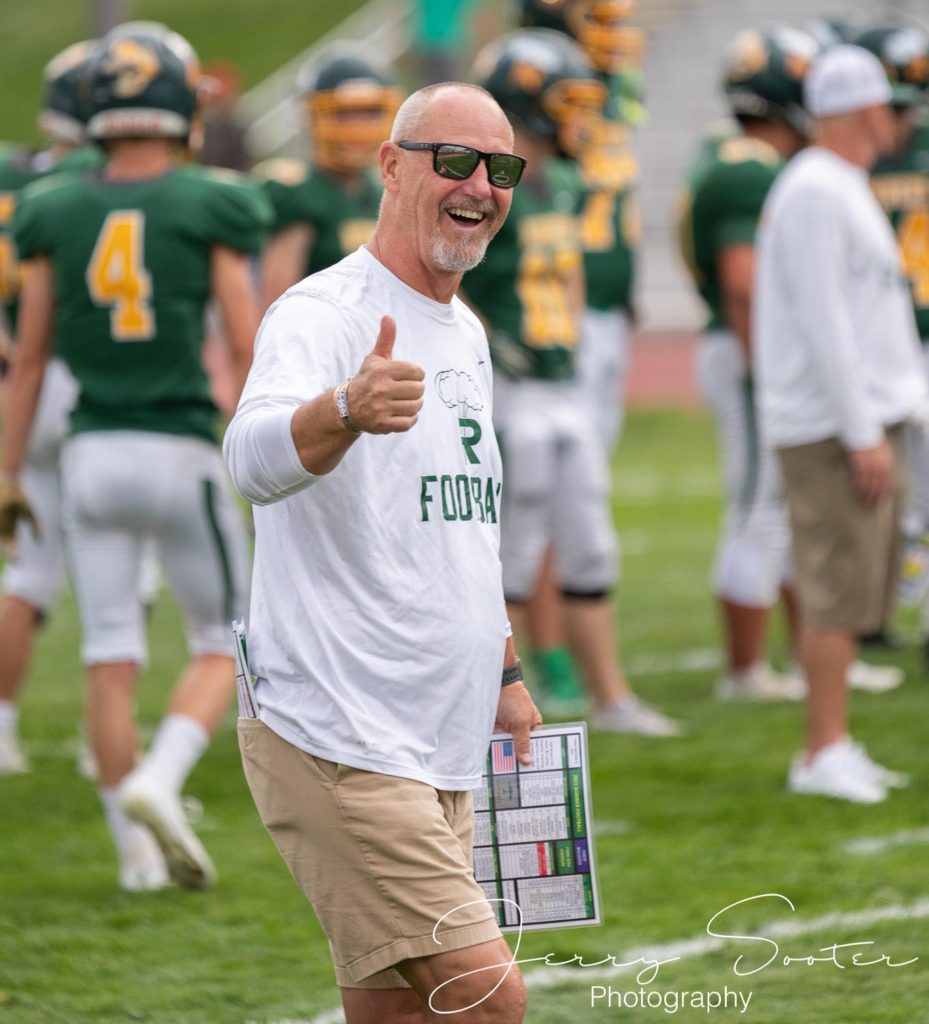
<point>887,777</point>
<point>12,759</point>
<point>838,771</point>
<point>760,683</point>
<point>635,716</point>
<point>146,801</point>
<point>142,865</point>
<point>874,678</point>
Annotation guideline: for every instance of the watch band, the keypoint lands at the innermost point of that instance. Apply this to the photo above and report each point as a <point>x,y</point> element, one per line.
<point>512,674</point>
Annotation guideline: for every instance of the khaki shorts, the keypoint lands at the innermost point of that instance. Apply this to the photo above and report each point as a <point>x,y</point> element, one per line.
<point>846,555</point>
<point>380,858</point>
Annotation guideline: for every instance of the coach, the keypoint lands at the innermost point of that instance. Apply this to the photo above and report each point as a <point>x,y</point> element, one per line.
<point>378,629</point>
<point>839,371</point>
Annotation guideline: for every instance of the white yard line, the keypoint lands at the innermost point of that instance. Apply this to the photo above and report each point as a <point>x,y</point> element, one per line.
<point>700,659</point>
<point>867,846</point>
<point>613,827</point>
<point>699,945</point>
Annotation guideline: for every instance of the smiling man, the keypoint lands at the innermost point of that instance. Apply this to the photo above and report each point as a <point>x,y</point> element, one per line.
<point>378,636</point>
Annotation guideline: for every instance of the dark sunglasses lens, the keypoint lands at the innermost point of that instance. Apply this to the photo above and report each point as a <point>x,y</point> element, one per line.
<point>456,161</point>
<point>505,170</point>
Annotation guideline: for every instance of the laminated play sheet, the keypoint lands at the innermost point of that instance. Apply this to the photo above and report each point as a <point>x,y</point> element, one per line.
<point>533,832</point>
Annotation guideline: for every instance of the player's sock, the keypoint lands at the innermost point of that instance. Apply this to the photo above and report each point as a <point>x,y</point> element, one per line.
<point>177,747</point>
<point>121,827</point>
<point>557,675</point>
<point>9,716</point>
<point>12,759</point>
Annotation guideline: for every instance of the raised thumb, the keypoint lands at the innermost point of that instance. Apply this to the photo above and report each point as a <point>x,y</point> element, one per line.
<point>384,346</point>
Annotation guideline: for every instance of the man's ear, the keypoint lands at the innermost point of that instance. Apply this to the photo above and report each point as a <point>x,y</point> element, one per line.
<point>389,157</point>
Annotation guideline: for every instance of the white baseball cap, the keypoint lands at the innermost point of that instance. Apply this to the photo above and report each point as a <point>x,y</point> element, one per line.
<point>844,79</point>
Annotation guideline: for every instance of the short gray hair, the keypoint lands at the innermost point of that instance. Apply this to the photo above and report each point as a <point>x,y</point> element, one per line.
<point>413,109</point>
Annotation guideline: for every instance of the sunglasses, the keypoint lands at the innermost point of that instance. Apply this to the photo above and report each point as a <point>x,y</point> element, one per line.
<point>451,161</point>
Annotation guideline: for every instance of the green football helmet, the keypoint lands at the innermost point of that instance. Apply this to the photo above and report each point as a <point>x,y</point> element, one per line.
<point>61,115</point>
<point>599,26</point>
<point>546,85</point>
<point>351,103</point>
<point>142,81</point>
<point>904,52</point>
<point>764,72</point>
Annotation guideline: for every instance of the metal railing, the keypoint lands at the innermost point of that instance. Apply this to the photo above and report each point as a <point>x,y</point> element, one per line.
<point>274,118</point>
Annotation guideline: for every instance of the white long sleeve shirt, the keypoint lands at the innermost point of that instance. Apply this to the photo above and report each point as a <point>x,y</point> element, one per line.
<point>836,348</point>
<point>377,626</point>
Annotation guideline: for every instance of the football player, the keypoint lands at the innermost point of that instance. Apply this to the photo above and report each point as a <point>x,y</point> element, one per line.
<point>610,226</point>
<point>325,209</point>
<point>33,577</point>
<point>121,264</point>
<point>901,183</point>
<point>727,184</point>
<point>530,293</point>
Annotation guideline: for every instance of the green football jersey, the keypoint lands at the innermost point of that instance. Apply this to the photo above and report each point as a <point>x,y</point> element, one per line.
<point>726,189</point>
<point>132,274</point>
<point>15,173</point>
<point>341,219</point>
<point>901,184</point>
<point>521,288</point>
<point>19,167</point>
<point>609,218</point>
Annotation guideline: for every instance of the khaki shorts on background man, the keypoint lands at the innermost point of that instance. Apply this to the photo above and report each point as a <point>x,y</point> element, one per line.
<point>381,858</point>
<point>846,554</point>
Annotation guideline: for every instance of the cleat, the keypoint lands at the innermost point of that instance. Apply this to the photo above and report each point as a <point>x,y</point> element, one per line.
<point>142,865</point>
<point>874,678</point>
<point>760,683</point>
<point>887,777</point>
<point>144,800</point>
<point>837,771</point>
<point>636,717</point>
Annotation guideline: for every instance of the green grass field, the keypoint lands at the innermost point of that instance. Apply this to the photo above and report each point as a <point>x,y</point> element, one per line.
<point>687,828</point>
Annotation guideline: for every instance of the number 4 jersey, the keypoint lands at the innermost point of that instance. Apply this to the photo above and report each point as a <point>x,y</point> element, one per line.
<point>901,184</point>
<point>132,275</point>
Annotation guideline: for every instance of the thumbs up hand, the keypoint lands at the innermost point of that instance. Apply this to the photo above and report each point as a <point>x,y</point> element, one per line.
<point>386,394</point>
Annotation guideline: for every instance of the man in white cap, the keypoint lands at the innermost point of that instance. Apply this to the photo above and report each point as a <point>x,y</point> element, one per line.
<point>838,372</point>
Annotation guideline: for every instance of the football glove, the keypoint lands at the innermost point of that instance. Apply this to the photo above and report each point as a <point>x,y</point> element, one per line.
<point>14,505</point>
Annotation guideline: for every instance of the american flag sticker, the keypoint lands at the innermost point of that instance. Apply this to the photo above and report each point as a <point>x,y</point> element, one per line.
<point>503,757</point>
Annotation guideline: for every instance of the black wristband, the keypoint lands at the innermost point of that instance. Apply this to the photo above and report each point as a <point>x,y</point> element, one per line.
<point>512,674</point>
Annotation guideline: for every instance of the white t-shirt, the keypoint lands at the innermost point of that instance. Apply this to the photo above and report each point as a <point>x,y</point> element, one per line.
<point>836,348</point>
<point>378,625</point>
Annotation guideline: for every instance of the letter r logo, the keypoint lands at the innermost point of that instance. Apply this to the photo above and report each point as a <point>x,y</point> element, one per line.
<point>470,437</point>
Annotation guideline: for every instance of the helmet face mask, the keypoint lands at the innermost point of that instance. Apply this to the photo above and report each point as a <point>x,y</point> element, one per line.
<point>142,82</point>
<point>576,107</point>
<point>599,26</point>
<point>348,124</point>
<point>545,84</point>
<point>350,105</point>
